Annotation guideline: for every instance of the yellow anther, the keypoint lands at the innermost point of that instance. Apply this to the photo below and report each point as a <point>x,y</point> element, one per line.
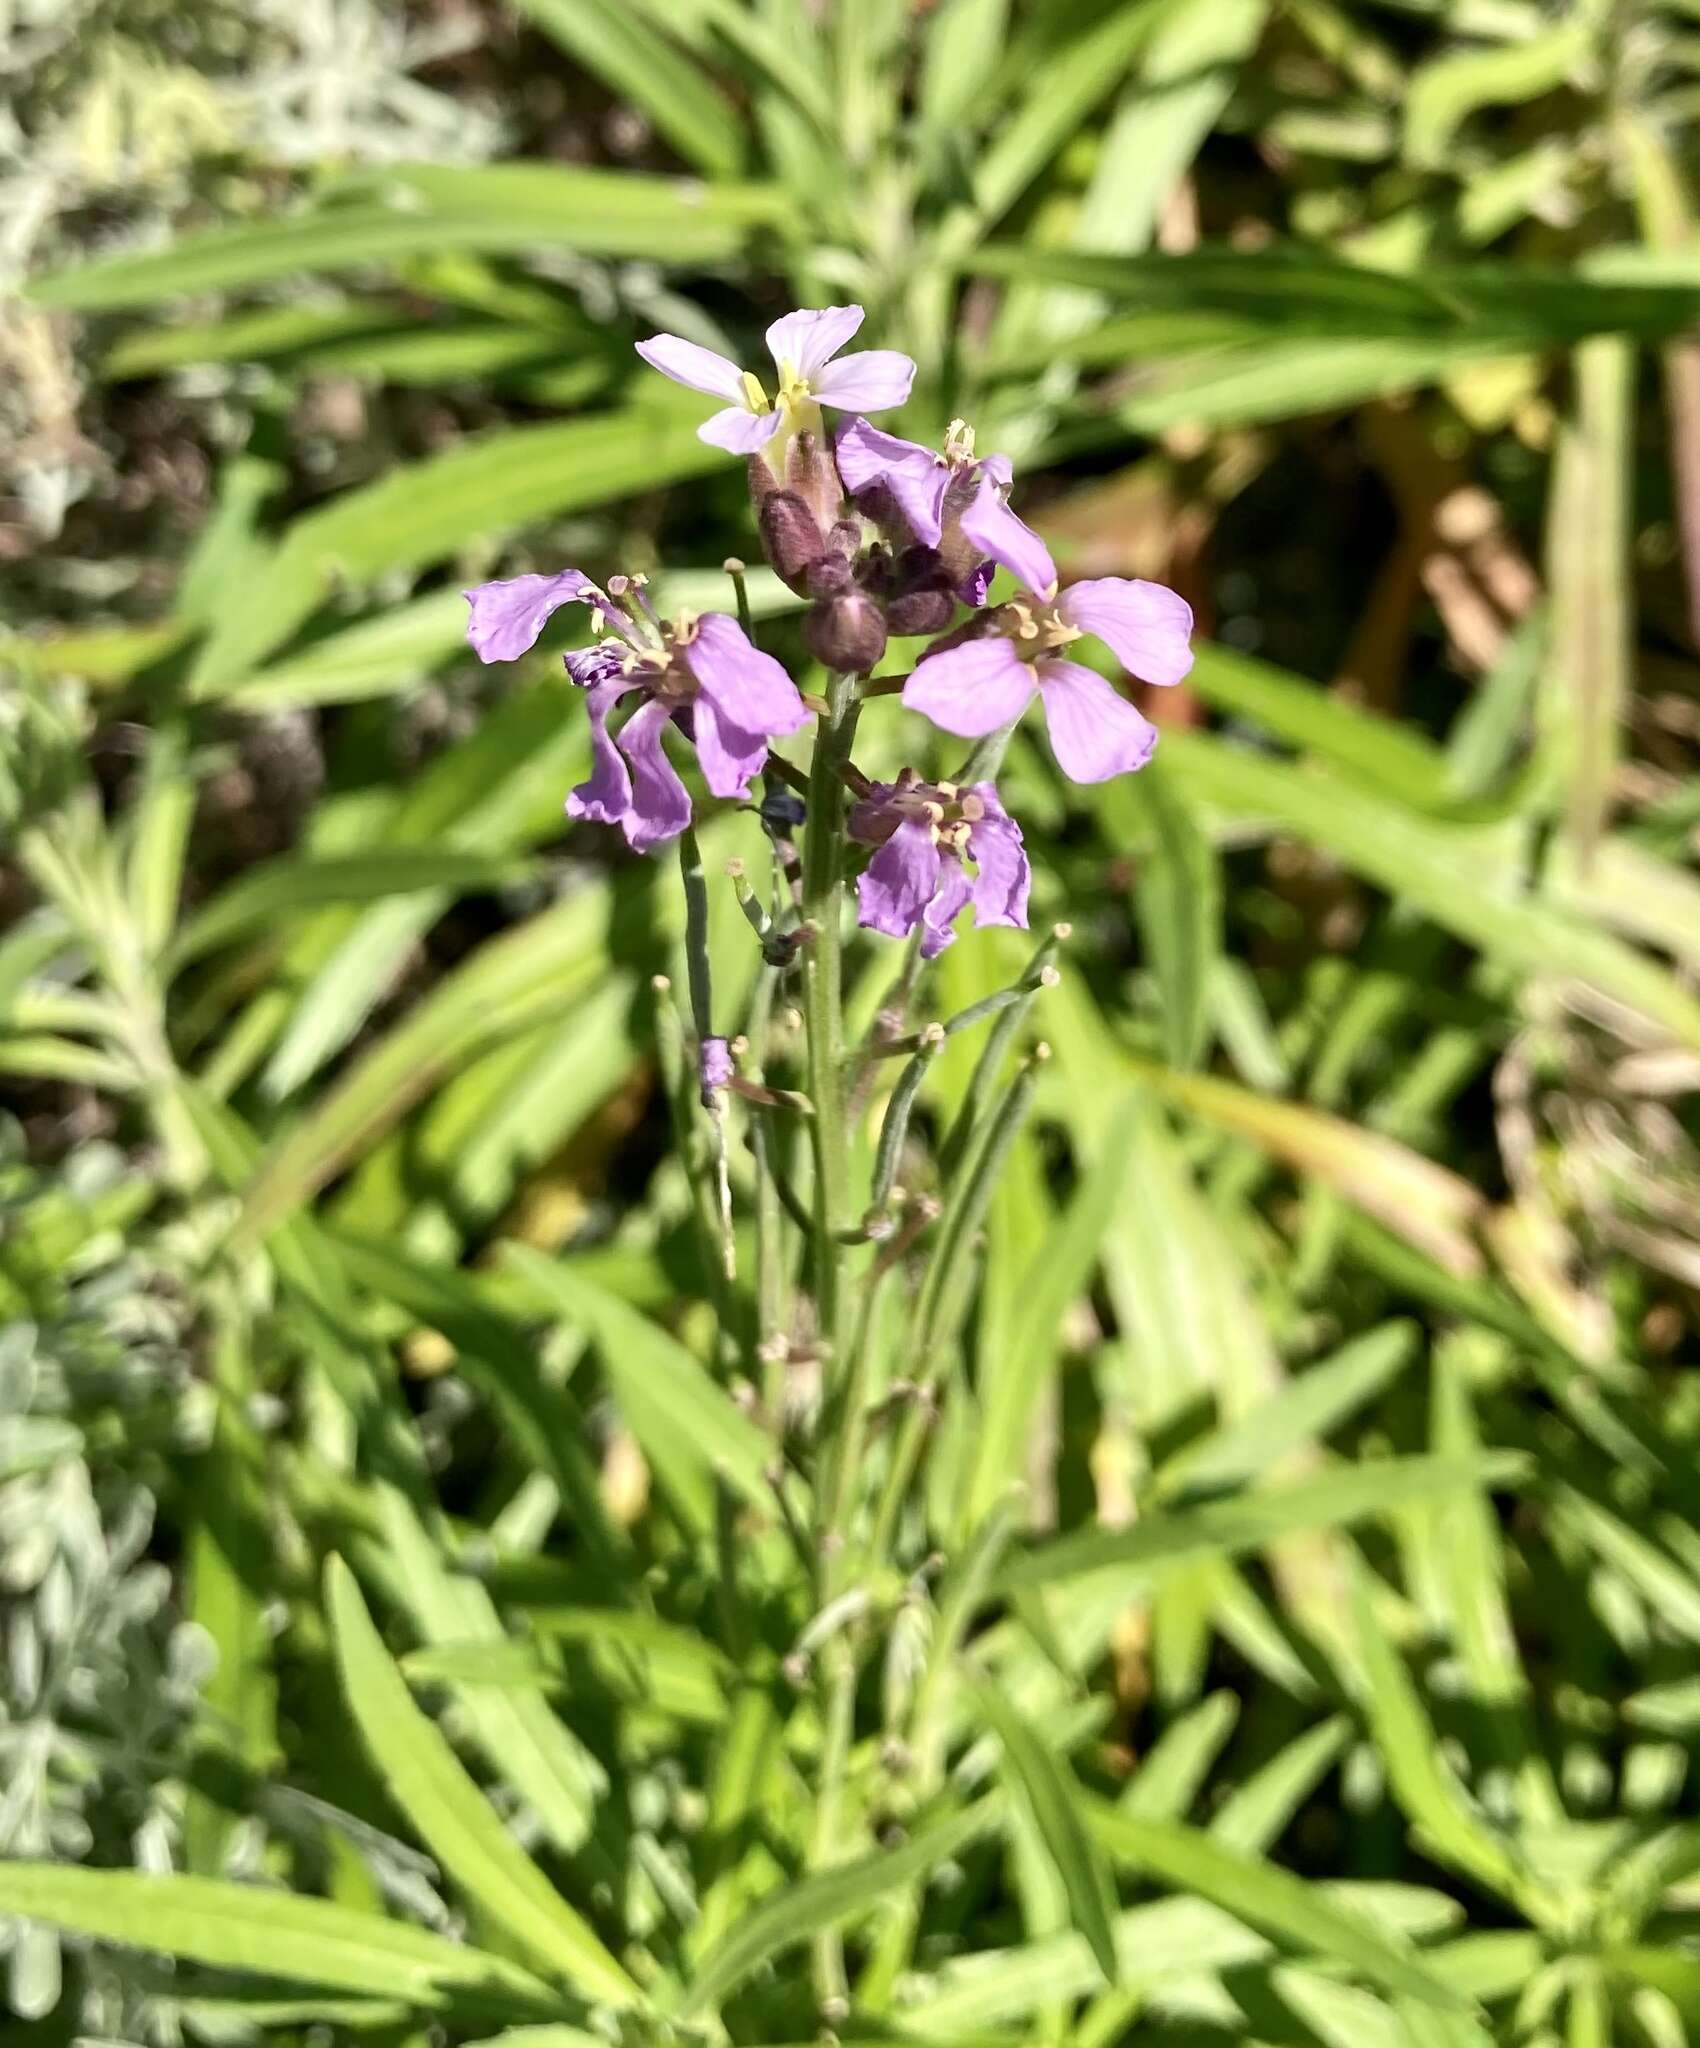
<point>754,396</point>
<point>959,442</point>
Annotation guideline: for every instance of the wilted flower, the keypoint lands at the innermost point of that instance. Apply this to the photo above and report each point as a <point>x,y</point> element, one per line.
<point>923,832</point>
<point>987,678</point>
<point>955,503</point>
<point>811,373</point>
<point>702,672</point>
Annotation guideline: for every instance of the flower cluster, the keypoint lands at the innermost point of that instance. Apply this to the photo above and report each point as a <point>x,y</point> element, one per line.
<point>882,538</point>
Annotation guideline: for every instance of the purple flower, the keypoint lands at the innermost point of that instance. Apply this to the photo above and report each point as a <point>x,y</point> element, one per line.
<point>701,672</point>
<point>922,831</point>
<point>714,1065</point>
<point>979,683</point>
<point>952,502</point>
<point>804,347</point>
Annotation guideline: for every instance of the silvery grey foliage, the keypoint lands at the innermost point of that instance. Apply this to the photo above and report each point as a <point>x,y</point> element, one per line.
<point>99,1677</point>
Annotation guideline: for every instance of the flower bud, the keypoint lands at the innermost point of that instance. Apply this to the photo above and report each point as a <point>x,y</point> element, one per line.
<point>790,537</point>
<point>928,609</point>
<point>812,475</point>
<point>846,632</point>
<point>830,576</point>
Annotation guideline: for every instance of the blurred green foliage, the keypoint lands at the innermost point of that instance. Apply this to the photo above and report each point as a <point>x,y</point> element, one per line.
<point>1299,1643</point>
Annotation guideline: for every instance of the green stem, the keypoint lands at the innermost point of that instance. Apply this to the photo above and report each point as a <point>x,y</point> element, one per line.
<point>823,1000</point>
<point>825,1846</point>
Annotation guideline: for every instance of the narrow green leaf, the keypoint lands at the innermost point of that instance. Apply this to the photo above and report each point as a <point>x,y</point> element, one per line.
<point>831,1896</point>
<point>261,1930</point>
<point>411,210</point>
<point>688,1427</point>
<point>455,1821</point>
<point>611,39</point>
<point>1269,1899</point>
<point>1424,1786</point>
<point>264,895</point>
<point>1589,535</point>
<point>1316,1401</point>
<point>1249,1520</point>
<point>1042,1782</point>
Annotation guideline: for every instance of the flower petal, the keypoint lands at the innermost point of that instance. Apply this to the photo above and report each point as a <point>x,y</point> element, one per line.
<point>916,478</point>
<point>739,430</point>
<point>806,340</point>
<point>868,382</point>
<point>697,368</point>
<point>973,688</point>
<point>607,796</point>
<point>996,531</point>
<point>1095,732</point>
<point>598,664</point>
<point>994,841</point>
<point>1146,627</point>
<point>661,806</point>
<point>941,914</point>
<point>507,617</point>
<point>731,755</point>
<point>748,687</point>
<point>900,881</point>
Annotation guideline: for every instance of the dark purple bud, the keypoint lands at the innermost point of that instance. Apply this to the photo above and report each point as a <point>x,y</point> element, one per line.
<point>830,576</point>
<point>847,633</point>
<point>790,537</point>
<point>923,610</point>
<point>812,475</point>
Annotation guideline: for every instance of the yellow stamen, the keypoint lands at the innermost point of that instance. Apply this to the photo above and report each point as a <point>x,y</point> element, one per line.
<point>754,396</point>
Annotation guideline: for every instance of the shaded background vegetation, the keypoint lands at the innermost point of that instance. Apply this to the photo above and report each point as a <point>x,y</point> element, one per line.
<point>1338,1301</point>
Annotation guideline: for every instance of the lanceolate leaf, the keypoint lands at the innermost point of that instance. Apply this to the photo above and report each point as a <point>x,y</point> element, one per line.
<point>262,1931</point>
<point>454,1819</point>
<point>1042,1782</point>
<point>1249,1520</point>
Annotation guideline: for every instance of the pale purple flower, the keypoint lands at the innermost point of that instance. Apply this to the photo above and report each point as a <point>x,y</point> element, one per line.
<point>701,671</point>
<point>714,1065</point>
<point>811,373</point>
<point>923,832</point>
<point>952,501</point>
<point>978,684</point>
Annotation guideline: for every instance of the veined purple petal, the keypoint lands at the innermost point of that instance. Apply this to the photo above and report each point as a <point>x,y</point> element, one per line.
<point>507,616</point>
<point>994,841</point>
<point>598,664</point>
<point>607,796</point>
<point>807,339</point>
<point>730,754</point>
<point>900,881</point>
<point>870,381</point>
<point>996,531</point>
<point>1145,626</point>
<point>940,915</point>
<point>688,363</point>
<point>739,430</point>
<point>973,688</point>
<point>999,468</point>
<point>660,807</point>
<point>916,478</point>
<point>748,687</point>
<point>1095,732</point>
<point>714,1065</point>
